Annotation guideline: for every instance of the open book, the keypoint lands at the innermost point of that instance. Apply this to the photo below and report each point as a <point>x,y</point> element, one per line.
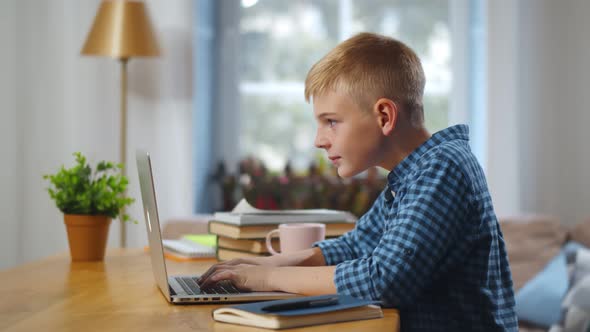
<point>244,214</point>
<point>345,308</point>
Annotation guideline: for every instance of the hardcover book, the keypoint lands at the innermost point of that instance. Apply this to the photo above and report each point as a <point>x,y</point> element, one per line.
<point>256,246</point>
<point>299,311</point>
<point>244,214</point>
<point>259,231</point>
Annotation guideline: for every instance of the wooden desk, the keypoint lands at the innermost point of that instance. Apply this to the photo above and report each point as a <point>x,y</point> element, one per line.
<point>118,294</point>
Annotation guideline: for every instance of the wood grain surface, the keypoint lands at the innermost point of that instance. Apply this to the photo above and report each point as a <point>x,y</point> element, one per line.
<point>118,294</point>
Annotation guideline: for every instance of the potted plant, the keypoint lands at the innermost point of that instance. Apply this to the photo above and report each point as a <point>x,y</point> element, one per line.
<point>89,200</point>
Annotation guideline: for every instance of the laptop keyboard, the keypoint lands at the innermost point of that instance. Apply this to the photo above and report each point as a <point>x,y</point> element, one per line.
<point>190,286</point>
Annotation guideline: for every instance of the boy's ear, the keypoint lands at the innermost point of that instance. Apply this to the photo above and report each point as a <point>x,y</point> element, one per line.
<point>387,113</point>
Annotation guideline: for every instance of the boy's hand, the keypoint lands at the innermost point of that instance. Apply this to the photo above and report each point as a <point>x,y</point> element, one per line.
<point>244,276</point>
<point>217,267</point>
<point>255,273</point>
<point>308,257</point>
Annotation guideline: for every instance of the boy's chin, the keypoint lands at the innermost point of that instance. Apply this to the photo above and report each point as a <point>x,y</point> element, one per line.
<point>345,172</point>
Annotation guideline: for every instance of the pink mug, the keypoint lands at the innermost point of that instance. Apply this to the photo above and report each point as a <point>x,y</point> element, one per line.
<point>294,237</point>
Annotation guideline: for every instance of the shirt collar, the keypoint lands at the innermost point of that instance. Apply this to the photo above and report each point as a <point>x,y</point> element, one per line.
<point>408,164</point>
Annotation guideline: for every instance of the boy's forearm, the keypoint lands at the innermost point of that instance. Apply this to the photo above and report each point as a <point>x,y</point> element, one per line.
<point>309,280</point>
<point>308,257</point>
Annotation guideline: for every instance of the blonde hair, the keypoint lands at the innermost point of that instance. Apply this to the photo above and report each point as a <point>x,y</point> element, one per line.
<point>367,67</point>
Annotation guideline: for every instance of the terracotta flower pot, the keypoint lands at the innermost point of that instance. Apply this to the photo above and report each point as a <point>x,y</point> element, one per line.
<point>87,236</point>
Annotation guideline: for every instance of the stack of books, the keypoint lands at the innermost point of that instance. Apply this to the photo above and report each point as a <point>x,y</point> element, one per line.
<point>242,232</point>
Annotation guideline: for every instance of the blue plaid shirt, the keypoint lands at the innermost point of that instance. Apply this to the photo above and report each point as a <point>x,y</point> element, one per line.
<point>431,245</point>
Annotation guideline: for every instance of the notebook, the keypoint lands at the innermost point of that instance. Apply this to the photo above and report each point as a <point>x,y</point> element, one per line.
<point>346,308</point>
<point>188,248</point>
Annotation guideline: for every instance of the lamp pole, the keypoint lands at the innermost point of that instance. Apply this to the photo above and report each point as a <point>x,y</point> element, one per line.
<point>123,150</point>
<point>121,29</point>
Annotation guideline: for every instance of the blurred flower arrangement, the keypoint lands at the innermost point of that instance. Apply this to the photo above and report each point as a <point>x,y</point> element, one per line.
<point>318,187</point>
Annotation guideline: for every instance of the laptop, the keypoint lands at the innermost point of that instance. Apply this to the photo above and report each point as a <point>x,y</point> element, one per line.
<point>183,289</point>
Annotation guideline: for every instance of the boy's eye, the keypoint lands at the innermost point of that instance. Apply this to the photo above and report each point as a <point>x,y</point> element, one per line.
<point>331,123</point>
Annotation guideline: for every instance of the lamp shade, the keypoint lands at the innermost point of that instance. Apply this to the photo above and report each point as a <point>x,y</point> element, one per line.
<point>121,29</point>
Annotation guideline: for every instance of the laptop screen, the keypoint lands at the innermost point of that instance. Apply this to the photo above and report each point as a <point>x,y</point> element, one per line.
<point>152,221</point>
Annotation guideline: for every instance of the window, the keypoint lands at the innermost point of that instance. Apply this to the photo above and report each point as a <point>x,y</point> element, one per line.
<point>281,39</point>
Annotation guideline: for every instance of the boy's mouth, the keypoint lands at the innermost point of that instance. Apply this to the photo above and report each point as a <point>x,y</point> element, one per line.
<point>334,159</point>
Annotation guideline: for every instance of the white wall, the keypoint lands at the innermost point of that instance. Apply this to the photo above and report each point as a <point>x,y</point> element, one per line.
<point>55,102</point>
<point>502,167</point>
<point>555,88</point>
<point>538,107</point>
<point>160,118</point>
<point>8,138</point>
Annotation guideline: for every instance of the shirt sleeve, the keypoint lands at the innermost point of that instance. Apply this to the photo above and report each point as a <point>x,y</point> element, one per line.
<point>419,244</point>
<point>363,238</point>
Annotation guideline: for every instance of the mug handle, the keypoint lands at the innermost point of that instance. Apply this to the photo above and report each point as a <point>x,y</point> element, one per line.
<point>269,243</point>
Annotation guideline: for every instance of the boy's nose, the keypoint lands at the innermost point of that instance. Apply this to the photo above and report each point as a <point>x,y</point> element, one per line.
<point>320,141</point>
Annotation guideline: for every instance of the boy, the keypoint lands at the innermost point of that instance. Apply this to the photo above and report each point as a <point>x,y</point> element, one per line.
<point>430,245</point>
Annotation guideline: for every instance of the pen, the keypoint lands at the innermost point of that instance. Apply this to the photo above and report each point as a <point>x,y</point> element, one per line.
<point>303,304</point>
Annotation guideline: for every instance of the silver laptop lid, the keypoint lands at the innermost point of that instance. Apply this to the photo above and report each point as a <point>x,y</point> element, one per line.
<point>152,221</point>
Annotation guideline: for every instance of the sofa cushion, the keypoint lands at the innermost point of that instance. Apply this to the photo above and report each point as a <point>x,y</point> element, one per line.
<point>539,300</point>
<point>576,304</point>
<point>531,242</point>
<point>581,233</point>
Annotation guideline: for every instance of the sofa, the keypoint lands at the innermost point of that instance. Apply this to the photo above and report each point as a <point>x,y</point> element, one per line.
<point>532,243</point>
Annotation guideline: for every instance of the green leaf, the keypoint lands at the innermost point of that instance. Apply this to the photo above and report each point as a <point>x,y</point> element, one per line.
<point>80,190</point>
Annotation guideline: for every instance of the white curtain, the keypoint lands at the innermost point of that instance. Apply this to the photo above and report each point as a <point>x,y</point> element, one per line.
<point>538,100</point>
<point>503,144</point>
<point>54,102</point>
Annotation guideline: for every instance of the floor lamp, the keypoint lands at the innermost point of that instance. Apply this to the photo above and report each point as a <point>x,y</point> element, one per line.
<point>121,30</point>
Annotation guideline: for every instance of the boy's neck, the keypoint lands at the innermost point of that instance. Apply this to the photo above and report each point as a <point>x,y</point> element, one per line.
<point>402,143</point>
